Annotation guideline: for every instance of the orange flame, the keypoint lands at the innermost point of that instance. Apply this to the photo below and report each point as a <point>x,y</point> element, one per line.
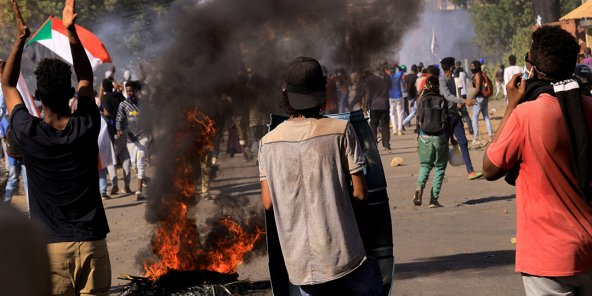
<point>176,241</point>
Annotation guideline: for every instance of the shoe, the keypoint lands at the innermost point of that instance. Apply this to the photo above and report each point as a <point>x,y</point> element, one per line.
<point>400,133</point>
<point>105,196</point>
<point>127,190</point>
<point>435,204</point>
<point>387,148</point>
<point>417,197</point>
<point>403,128</point>
<point>394,132</point>
<point>140,195</point>
<point>475,143</point>
<point>475,175</point>
<point>114,190</point>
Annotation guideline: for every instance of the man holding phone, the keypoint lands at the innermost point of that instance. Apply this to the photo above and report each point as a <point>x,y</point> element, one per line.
<point>549,138</point>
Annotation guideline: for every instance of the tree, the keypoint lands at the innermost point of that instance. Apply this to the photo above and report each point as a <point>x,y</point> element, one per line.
<point>139,14</point>
<point>496,23</point>
<point>503,27</point>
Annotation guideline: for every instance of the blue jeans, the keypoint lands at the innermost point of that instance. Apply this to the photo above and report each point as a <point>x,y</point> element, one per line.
<point>15,170</point>
<point>460,136</point>
<point>103,180</point>
<point>364,280</point>
<point>481,107</point>
<point>411,115</point>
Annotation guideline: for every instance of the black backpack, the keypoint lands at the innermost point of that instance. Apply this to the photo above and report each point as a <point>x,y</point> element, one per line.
<point>432,114</point>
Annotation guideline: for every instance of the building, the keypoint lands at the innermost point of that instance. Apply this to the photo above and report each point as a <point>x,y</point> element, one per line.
<point>579,23</point>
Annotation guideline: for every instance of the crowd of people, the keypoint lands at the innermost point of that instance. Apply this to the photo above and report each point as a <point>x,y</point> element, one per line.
<point>541,146</point>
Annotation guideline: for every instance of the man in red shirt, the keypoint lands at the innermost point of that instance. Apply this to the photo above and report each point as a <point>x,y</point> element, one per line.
<point>553,207</point>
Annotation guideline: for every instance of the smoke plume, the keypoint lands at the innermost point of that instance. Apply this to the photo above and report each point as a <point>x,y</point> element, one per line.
<point>225,58</point>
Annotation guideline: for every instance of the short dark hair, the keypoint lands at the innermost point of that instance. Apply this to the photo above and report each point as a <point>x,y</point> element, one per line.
<point>432,69</point>
<point>447,63</point>
<point>512,60</point>
<point>414,68</point>
<point>554,52</point>
<point>133,84</point>
<point>432,84</point>
<point>107,85</point>
<point>54,85</point>
<point>477,65</point>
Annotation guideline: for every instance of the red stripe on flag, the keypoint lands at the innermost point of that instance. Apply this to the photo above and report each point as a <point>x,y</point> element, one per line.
<point>88,39</point>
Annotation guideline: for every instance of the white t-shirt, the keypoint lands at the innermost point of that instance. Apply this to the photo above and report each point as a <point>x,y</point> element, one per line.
<point>509,72</point>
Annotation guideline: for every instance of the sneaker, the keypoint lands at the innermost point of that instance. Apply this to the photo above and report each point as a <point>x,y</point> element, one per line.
<point>114,190</point>
<point>400,133</point>
<point>127,190</point>
<point>475,175</point>
<point>140,195</point>
<point>434,203</point>
<point>475,143</point>
<point>417,197</point>
<point>105,196</point>
<point>394,132</point>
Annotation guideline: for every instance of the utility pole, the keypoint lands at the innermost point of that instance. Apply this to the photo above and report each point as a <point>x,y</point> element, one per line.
<point>546,11</point>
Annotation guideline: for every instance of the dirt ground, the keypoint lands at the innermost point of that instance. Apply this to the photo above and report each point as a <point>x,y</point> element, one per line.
<point>464,248</point>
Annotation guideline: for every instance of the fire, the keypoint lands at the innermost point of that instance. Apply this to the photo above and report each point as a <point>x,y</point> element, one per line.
<point>176,241</point>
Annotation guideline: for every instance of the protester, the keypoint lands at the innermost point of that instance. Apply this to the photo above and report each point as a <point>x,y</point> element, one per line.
<point>509,72</point>
<point>343,85</point>
<point>499,81</point>
<point>411,83</point>
<point>481,103</point>
<point>316,216</point>
<point>376,101</point>
<point>356,92</point>
<point>16,167</point>
<point>587,57</point>
<point>546,129</point>
<point>110,100</point>
<point>434,132</point>
<point>68,204</point>
<point>128,126</point>
<point>396,99</point>
<point>455,119</point>
<point>460,79</point>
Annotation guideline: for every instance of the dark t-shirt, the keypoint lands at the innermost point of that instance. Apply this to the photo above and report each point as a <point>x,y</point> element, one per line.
<point>377,92</point>
<point>410,82</point>
<point>110,103</point>
<point>62,172</point>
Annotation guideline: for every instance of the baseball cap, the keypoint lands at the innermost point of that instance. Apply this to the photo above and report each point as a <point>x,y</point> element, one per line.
<point>305,83</point>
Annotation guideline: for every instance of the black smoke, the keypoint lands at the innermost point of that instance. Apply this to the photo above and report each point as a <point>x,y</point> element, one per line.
<point>212,44</point>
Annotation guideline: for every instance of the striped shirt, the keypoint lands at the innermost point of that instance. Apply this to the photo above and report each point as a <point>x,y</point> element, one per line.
<point>128,121</point>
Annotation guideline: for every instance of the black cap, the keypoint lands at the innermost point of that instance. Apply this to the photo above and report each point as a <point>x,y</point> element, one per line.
<point>305,83</point>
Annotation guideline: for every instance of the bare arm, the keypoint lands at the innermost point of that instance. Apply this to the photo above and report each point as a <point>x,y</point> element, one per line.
<point>266,195</point>
<point>515,96</point>
<point>82,66</point>
<point>12,68</point>
<point>359,185</point>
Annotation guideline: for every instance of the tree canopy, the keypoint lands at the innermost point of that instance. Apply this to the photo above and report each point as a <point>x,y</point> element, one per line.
<point>138,14</point>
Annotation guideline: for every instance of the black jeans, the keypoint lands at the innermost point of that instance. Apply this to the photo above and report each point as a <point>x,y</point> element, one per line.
<point>381,118</point>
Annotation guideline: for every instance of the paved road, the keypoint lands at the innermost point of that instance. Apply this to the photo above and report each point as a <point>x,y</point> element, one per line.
<point>463,248</point>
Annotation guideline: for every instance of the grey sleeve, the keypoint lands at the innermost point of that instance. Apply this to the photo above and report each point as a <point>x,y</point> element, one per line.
<point>445,92</point>
<point>353,151</point>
